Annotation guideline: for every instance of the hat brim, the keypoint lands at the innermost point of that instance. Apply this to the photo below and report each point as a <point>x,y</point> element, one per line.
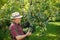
<point>17,17</point>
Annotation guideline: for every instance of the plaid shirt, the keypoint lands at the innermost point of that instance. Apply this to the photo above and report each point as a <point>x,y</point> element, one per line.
<point>15,29</point>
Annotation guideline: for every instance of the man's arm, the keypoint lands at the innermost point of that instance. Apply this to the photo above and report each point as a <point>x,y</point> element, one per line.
<point>19,37</point>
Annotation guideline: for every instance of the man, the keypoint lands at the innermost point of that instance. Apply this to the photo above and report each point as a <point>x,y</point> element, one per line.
<point>15,28</point>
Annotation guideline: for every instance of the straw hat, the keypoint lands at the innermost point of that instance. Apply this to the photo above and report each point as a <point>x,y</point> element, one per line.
<point>16,15</point>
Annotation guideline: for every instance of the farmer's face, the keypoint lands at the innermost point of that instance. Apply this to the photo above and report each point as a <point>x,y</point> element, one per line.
<point>17,20</point>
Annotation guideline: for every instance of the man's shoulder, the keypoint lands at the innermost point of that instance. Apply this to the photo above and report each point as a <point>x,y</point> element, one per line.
<point>11,26</point>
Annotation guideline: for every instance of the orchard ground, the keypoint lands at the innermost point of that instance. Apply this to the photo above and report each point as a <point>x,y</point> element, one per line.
<point>52,32</point>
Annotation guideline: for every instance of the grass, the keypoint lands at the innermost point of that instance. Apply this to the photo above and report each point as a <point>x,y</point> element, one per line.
<point>52,32</point>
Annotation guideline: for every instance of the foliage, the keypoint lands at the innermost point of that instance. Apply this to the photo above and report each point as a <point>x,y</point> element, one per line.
<point>37,12</point>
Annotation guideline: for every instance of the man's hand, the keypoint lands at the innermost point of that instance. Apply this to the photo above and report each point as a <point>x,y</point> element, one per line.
<point>28,33</point>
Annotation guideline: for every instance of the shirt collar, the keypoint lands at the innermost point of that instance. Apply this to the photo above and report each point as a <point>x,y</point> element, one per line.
<point>15,23</point>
